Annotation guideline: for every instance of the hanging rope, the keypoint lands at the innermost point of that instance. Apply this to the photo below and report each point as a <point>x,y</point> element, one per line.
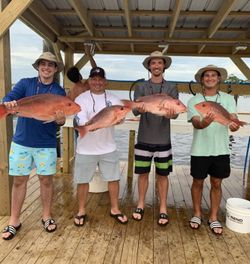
<point>190,87</point>
<point>132,86</point>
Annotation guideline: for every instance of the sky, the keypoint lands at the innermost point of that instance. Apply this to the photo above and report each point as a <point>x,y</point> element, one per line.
<point>26,46</point>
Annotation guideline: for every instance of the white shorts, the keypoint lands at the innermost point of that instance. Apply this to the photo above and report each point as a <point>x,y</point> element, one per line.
<point>85,167</point>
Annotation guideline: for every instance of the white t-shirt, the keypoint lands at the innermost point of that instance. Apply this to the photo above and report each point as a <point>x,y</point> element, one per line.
<point>102,140</point>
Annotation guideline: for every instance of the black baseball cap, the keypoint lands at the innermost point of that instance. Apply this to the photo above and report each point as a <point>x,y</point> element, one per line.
<point>97,71</point>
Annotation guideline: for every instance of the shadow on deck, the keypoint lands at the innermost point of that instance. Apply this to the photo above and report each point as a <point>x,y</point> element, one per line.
<point>102,240</point>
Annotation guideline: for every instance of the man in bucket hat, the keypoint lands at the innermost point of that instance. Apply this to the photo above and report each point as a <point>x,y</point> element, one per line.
<point>34,142</point>
<point>154,137</point>
<point>210,146</point>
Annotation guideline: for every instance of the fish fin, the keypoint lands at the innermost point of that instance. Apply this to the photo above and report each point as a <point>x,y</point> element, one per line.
<point>3,111</point>
<point>82,130</point>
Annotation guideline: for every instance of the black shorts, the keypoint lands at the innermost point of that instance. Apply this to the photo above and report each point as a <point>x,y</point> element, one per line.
<point>215,166</point>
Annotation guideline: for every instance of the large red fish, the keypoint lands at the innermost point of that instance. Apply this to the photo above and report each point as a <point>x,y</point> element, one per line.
<point>158,104</point>
<point>41,107</point>
<point>222,116</point>
<point>107,117</point>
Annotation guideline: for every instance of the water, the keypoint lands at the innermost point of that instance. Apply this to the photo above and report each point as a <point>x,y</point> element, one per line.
<point>181,145</point>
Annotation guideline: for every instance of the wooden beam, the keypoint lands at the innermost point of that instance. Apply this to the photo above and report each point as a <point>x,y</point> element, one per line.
<point>68,38</point>
<point>82,61</point>
<point>221,15</point>
<point>67,144</point>
<point>174,17</point>
<point>6,125</point>
<point>153,29</point>
<point>82,13</point>
<point>40,28</point>
<point>128,20</point>
<point>42,13</point>
<point>240,89</point>
<point>241,65</point>
<point>57,52</point>
<point>155,13</point>
<point>11,12</point>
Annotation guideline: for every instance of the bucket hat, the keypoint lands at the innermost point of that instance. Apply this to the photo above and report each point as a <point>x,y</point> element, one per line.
<point>48,56</point>
<point>222,72</point>
<point>157,55</point>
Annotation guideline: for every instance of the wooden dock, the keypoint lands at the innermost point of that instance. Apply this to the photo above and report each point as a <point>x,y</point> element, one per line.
<point>102,240</point>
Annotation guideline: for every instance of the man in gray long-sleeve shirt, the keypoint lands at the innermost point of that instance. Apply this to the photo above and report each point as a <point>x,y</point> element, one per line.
<point>154,137</point>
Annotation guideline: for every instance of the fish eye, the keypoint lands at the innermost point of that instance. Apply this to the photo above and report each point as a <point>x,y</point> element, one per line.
<point>122,108</point>
<point>178,103</point>
<point>203,105</point>
<point>69,104</point>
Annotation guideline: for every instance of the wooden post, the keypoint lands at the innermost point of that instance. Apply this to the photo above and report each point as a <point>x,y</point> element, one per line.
<point>71,147</point>
<point>131,154</point>
<point>6,125</point>
<point>65,149</point>
<point>67,136</point>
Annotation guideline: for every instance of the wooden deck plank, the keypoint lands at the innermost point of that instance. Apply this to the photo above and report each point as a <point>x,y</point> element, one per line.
<point>102,240</point>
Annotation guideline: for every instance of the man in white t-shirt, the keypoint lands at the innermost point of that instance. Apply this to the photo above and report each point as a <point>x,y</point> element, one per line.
<point>96,148</point>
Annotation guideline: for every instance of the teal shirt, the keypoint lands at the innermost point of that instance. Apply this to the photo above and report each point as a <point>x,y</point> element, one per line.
<point>214,139</point>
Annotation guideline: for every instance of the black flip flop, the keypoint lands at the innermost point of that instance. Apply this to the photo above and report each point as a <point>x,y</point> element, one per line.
<point>12,230</point>
<point>139,211</point>
<point>47,223</point>
<point>162,216</point>
<point>79,218</point>
<point>116,216</point>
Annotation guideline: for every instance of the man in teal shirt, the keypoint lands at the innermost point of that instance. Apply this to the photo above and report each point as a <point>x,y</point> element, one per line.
<point>210,154</point>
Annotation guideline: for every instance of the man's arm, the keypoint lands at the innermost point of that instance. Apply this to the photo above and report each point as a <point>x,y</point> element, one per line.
<point>87,50</point>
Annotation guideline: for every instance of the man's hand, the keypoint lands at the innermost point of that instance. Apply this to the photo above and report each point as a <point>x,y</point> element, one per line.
<point>60,117</point>
<point>10,104</point>
<point>141,108</point>
<point>171,114</point>
<point>208,119</point>
<point>233,126</point>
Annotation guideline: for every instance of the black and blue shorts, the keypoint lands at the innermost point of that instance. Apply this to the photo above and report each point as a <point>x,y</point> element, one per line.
<point>162,158</point>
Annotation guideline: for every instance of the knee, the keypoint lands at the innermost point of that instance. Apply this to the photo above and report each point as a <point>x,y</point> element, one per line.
<point>45,181</point>
<point>143,177</point>
<point>197,184</point>
<point>216,184</point>
<point>20,181</point>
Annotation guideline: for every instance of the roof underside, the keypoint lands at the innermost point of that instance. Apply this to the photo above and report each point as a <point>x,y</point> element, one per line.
<point>180,27</point>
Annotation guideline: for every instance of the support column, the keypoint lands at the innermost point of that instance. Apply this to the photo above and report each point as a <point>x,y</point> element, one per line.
<point>241,65</point>
<point>6,125</point>
<point>68,138</point>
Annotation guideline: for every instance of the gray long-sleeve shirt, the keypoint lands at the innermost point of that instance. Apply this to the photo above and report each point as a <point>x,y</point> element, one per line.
<point>154,129</point>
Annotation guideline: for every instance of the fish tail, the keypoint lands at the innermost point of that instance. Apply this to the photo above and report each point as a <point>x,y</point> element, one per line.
<point>129,104</point>
<point>3,111</point>
<point>82,130</point>
<point>242,123</point>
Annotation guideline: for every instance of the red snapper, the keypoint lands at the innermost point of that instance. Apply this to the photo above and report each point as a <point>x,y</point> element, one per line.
<point>41,107</point>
